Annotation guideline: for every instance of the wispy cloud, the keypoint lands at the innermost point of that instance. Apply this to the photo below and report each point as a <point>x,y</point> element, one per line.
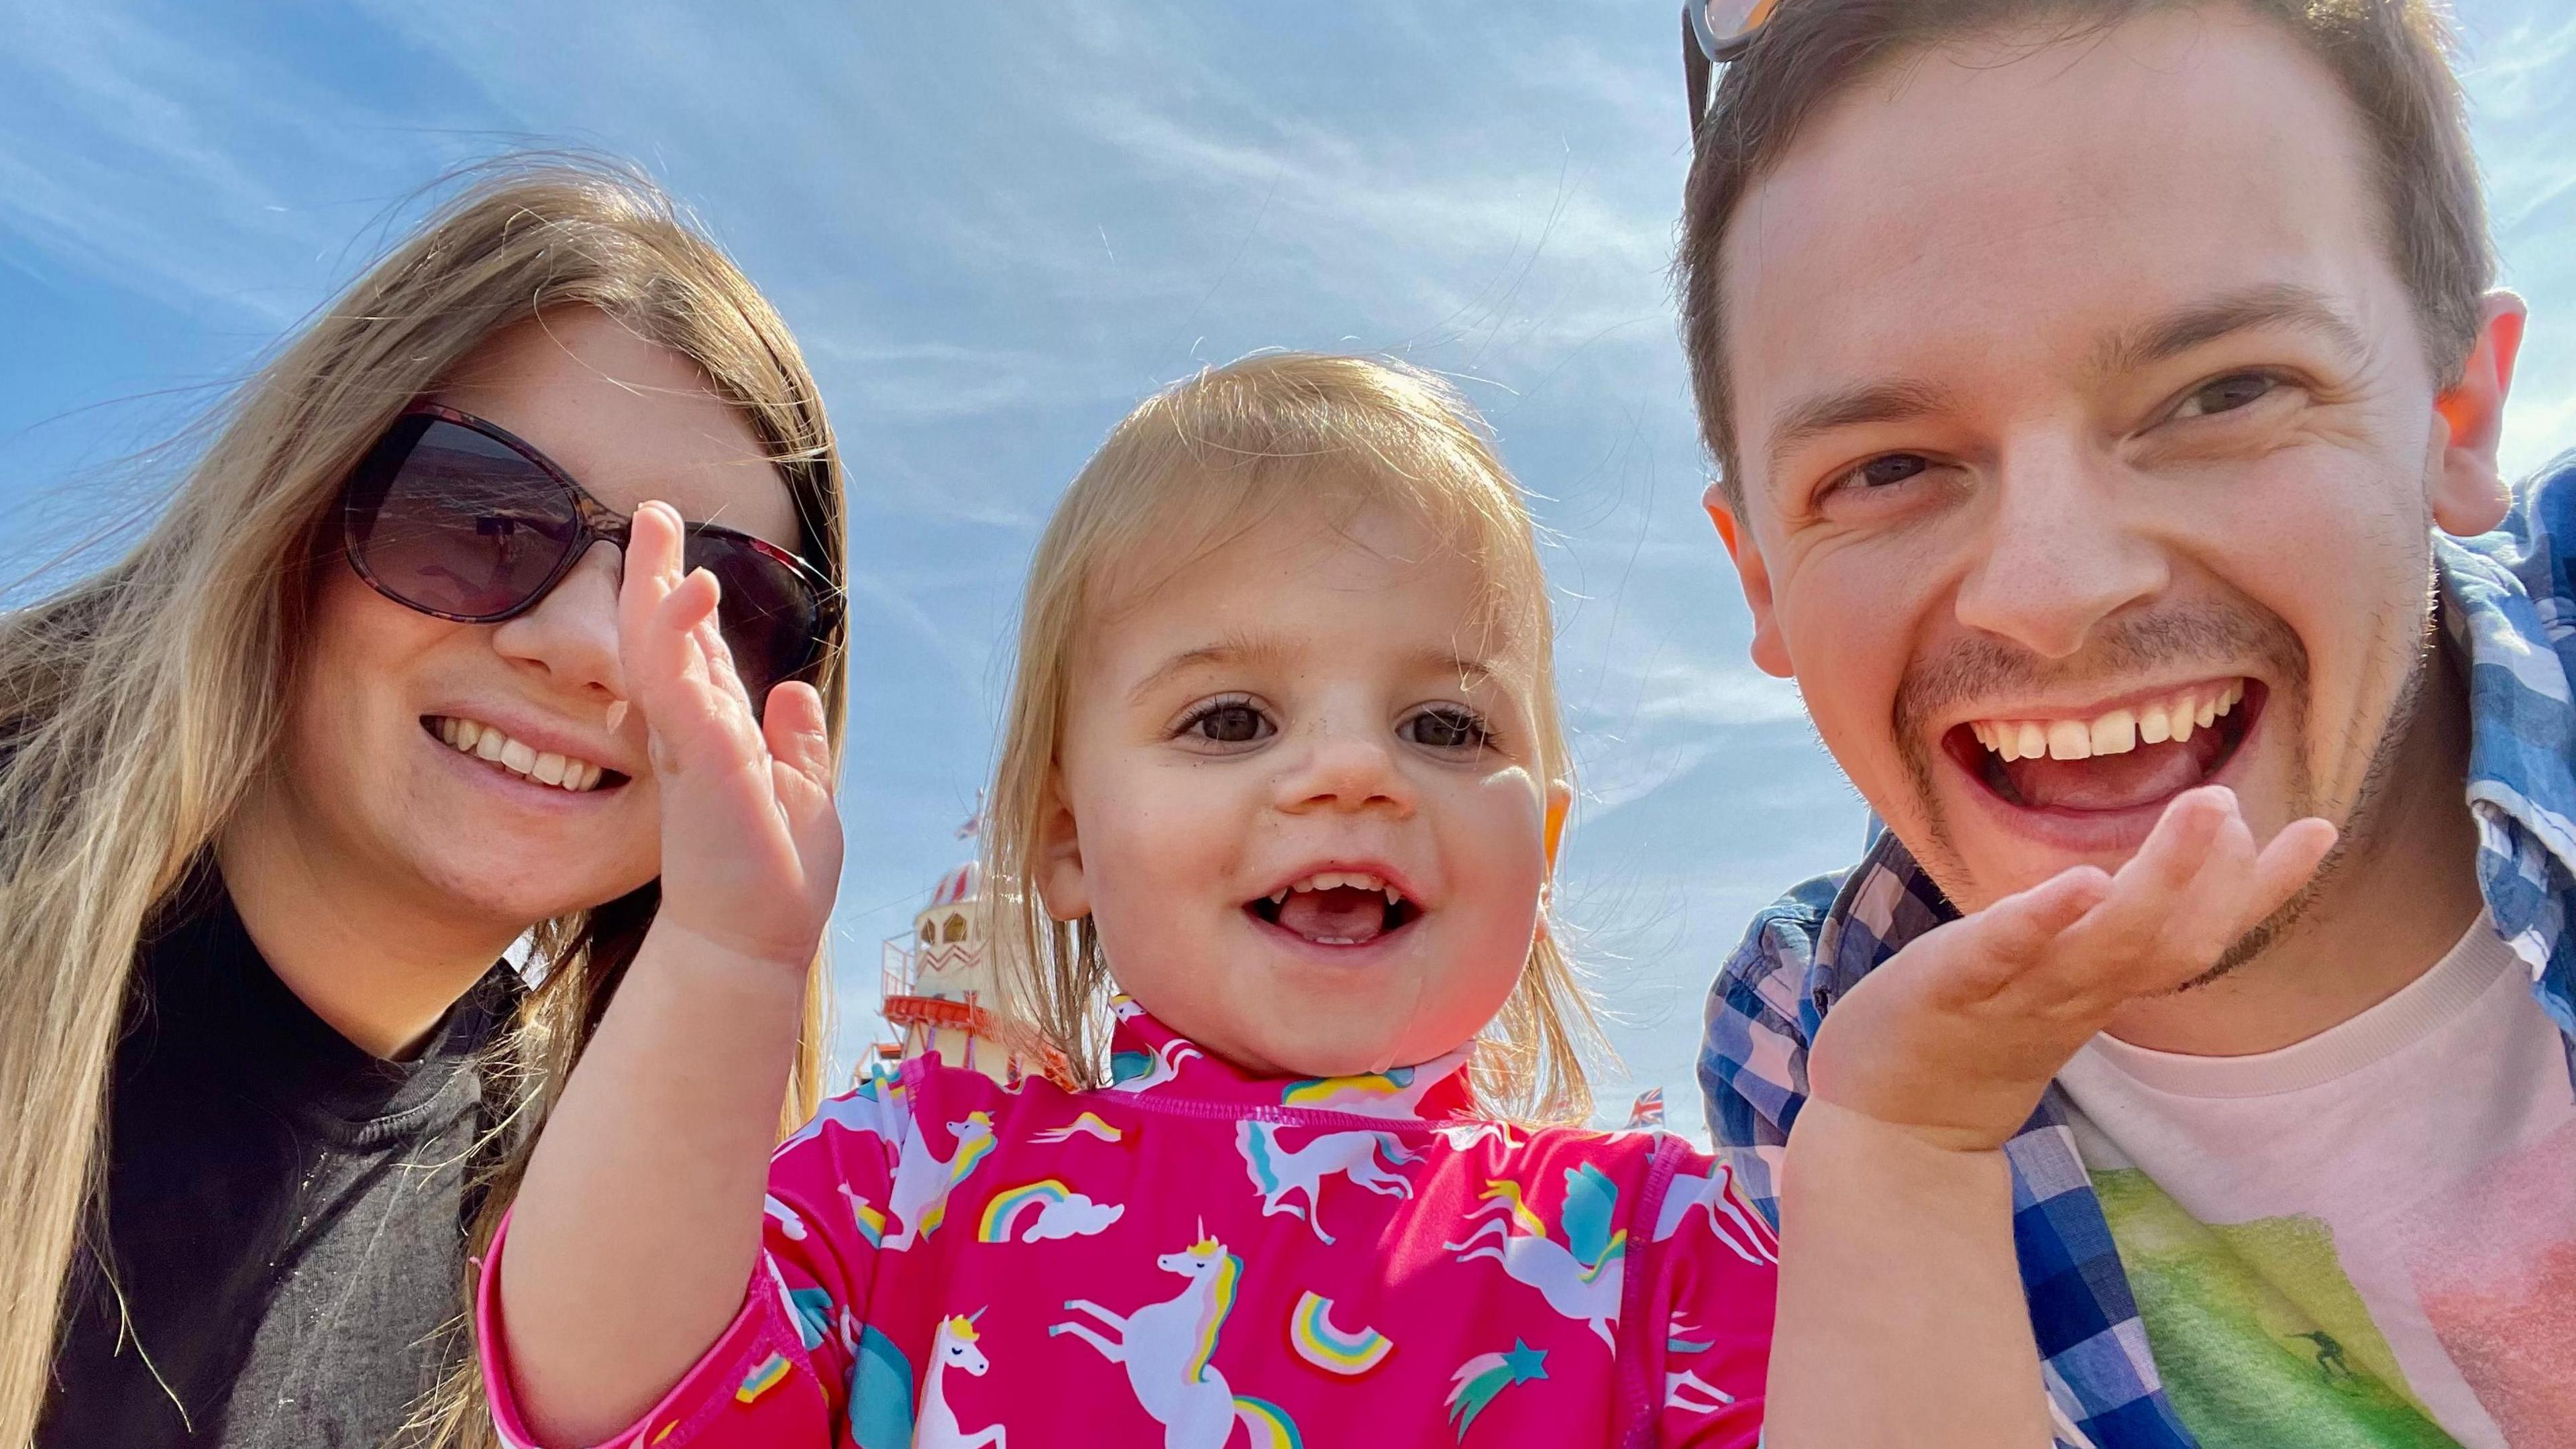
<point>995,229</point>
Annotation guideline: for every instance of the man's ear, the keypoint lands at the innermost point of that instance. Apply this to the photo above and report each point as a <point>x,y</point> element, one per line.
<point>2470,494</point>
<point>1061,882</point>
<point>1770,655</point>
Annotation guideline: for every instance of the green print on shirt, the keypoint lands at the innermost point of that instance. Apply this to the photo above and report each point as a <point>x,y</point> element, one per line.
<point>2262,1341</point>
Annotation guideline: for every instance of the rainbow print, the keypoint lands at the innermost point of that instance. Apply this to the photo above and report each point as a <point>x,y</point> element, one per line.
<point>1318,1342</point>
<point>1327,1091</point>
<point>1268,1424</point>
<point>870,1218</point>
<point>1003,1213</point>
<point>765,1375</point>
<point>1086,1125</point>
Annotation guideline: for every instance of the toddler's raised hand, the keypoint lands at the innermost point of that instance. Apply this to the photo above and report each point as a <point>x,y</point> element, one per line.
<point>751,846</point>
<point>639,1221</point>
<point>1957,1036</point>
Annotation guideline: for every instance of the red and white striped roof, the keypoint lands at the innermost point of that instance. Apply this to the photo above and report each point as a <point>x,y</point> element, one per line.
<point>958,886</point>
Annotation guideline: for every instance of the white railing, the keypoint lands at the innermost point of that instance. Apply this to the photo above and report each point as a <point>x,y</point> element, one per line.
<point>894,967</point>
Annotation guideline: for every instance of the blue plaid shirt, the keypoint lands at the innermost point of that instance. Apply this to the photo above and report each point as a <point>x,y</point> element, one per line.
<point>2509,608</point>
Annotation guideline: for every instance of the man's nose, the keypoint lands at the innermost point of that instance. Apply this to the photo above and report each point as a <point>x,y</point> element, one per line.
<point>1346,767</point>
<point>2061,551</point>
<point>571,635</point>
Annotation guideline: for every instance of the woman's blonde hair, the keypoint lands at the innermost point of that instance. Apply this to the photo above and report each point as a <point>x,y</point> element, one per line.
<point>139,705</point>
<point>1194,466</point>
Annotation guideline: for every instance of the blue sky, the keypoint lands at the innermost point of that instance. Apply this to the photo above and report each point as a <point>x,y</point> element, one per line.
<point>996,226</point>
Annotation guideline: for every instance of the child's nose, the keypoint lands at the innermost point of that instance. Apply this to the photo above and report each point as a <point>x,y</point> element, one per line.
<point>1348,771</point>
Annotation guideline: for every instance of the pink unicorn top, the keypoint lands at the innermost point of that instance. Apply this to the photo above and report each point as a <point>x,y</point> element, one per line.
<point>1354,1260</point>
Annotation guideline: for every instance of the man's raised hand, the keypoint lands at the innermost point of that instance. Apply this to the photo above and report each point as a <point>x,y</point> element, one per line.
<point>1958,1035</point>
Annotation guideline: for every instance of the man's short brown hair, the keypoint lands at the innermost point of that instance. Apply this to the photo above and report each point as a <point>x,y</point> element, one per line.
<point>2390,56</point>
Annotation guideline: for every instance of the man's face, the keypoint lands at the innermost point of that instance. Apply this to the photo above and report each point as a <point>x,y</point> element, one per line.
<point>2088,444</point>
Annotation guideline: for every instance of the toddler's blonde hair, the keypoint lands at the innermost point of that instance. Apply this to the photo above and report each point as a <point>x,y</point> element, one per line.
<point>1194,466</point>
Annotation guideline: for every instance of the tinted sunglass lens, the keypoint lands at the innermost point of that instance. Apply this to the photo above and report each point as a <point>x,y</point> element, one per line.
<point>458,524</point>
<point>767,613</point>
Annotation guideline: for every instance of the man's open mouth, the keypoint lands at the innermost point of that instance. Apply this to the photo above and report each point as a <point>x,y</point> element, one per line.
<point>1336,908</point>
<point>2140,754</point>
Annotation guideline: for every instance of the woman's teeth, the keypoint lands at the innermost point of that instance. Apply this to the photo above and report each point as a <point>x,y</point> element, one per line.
<point>471,737</point>
<point>2117,732</point>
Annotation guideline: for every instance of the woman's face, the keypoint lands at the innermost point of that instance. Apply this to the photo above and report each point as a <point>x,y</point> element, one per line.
<point>373,786</point>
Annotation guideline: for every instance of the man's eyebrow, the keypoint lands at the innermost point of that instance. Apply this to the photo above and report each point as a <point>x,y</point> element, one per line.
<point>1875,402</point>
<point>2275,304</point>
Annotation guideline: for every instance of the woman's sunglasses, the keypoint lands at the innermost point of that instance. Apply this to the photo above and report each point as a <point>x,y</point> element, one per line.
<point>453,516</point>
<point>1715,33</point>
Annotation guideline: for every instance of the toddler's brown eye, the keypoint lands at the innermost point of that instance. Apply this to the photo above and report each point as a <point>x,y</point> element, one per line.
<point>1229,724</point>
<point>1445,729</point>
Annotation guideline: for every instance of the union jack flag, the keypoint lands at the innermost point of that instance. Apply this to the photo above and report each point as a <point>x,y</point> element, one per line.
<point>1649,1109</point>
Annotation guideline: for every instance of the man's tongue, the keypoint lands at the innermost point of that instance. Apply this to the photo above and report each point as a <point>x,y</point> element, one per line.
<point>2143,776</point>
<point>1344,914</point>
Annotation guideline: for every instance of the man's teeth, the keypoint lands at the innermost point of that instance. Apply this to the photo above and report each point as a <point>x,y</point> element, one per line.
<point>1325,880</point>
<point>471,737</point>
<point>2173,717</point>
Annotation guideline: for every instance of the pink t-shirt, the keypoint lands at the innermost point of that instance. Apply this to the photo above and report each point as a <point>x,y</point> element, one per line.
<point>1346,1261</point>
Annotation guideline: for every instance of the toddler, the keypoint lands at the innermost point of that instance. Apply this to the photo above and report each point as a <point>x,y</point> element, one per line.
<point>1279,797</point>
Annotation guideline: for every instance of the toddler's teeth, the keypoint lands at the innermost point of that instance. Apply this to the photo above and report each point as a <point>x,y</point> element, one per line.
<point>1391,897</point>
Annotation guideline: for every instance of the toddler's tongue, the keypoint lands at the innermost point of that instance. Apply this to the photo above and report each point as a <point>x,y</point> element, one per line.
<point>1344,914</point>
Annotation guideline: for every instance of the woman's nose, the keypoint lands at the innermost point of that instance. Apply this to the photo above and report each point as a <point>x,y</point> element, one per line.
<point>571,634</point>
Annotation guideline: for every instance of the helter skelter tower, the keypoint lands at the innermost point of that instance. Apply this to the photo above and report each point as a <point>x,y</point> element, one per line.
<point>940,983</point>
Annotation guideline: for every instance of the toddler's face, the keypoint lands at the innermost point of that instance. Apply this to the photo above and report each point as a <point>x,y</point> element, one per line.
<point>1299,797</point>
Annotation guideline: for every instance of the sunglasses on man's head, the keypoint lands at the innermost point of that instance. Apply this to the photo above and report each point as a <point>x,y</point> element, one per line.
<point>1715,33</point>
<point>455,517</point>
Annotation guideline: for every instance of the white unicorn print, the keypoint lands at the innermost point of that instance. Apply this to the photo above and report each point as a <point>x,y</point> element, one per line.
<point>1735,1221</point>
<point>922,1183</point>
<point>1166,1348</point>
<point>1692,1394</point>
<point>954,1347</point>
<point>1495,1137</point>
<point>1579,1281</point>
<point>1278,1172</point>
<point>1144,1071</point>
<point>879,1111</point>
